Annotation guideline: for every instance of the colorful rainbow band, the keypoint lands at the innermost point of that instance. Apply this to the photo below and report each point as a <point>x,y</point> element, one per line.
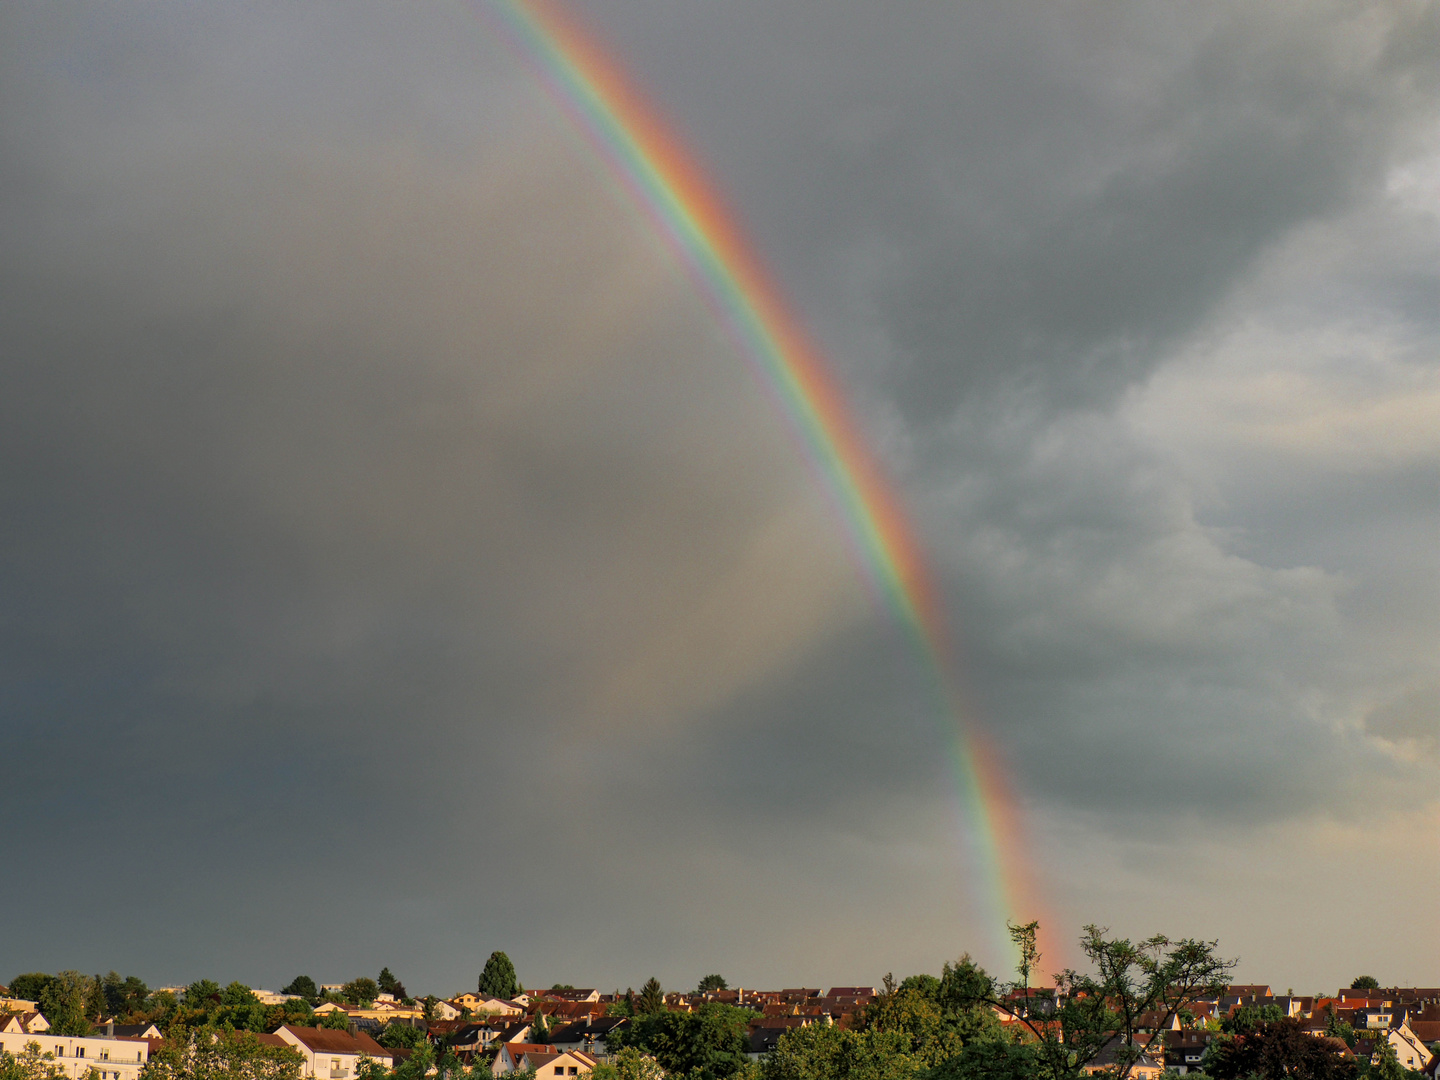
<point>641,152</point>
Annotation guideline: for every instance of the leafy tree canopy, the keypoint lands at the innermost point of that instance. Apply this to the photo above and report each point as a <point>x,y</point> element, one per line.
<point>31,1064</point>
<point>63,1001</point>
<point>200,993</point>
<point>710,983</point>
<point>1365,982</point>
<point>826,1052</point>
<point>1068,1031</point>
<point>710,1043</point>
<point>336,1019</point>
<point>401,1035</point>
<point>926,985</point>
<point>304,986</point>
<point>1250,1017</point>
<point>1282,1050</point>
<point>211,1053</point>
<point>123,996</point>
<point>30,987</point>
<point>499,978</point>
<point>629,1064</point>
<point>987,1061</point>
<point>361,991</point>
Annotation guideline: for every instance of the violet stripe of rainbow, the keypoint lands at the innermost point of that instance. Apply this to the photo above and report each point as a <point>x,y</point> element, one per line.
<point>591,89</point>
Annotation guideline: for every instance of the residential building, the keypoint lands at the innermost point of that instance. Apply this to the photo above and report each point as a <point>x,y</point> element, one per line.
<point>115,1057</point>
<point>30,1023</point>
<point>330,1053</point>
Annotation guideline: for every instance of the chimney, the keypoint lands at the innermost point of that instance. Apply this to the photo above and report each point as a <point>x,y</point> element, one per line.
<point>110,1028</point>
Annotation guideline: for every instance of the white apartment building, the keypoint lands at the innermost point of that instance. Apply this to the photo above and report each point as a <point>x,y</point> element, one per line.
<point>114,1057</point>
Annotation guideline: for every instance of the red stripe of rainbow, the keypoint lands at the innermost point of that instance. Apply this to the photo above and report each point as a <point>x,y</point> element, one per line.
<point>590,87</point>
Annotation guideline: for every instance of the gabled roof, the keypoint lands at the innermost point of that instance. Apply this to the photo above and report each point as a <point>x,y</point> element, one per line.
<point>332,1041</point>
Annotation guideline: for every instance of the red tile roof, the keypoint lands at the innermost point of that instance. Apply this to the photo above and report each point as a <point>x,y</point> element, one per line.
<point>333,1041</point>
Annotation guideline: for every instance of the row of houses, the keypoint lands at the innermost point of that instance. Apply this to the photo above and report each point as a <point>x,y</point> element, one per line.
<point>563,1033</point>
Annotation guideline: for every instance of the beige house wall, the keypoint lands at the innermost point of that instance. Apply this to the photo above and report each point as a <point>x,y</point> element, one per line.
<point>113,1057</point>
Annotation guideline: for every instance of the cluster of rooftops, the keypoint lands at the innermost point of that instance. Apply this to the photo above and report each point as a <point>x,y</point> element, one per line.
<point>564,1032</point>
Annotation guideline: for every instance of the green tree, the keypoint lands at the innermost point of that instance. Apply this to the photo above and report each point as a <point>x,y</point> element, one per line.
<point>63,1003</point>
<point>402,1035</point>
<point>32,1064</point>
<point>936,1016</point>
<point>211,1053</point>
<point>389,984</point>
<point>133,993</point>
<point>915,1016</point>
<point>336,1019</point>
<point>361,991</point>
<point>987,1060</point>
<point>1282,1050</point>
<point>629,1064</point>
<point>709,1043</point>
<point>652,998</point>
<point>1365,982</point>
<point>30,987</point>
<point>499,978</point>
<point>710,983</point>
<point>297,1012</point>
<point>304,986</point>
<point>1131,979</point>
<point>1340,1029</point>
<point>112,989</point>
<point>827,1052</point>
<point>95,998</point>
<point>161,1008</point>
<point>202,994</point>
<point>539,1028</point>
<point>417,1065</point>
<point>1250,1017</point>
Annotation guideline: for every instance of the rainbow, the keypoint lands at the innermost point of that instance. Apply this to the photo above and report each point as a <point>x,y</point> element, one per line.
<point>591,88</point>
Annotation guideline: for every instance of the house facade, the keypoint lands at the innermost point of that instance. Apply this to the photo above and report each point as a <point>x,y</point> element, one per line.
<point>114,1057</point>
<point>332,1054</point>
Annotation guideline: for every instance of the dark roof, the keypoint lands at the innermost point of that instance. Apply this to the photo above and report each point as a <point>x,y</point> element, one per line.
<point>763,1040</point>
<point>133,1030</point>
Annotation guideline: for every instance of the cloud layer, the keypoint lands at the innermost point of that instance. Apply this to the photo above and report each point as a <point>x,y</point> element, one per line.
<point>395,552</point>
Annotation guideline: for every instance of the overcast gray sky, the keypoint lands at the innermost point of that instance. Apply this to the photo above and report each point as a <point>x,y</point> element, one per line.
<point>397,561</point>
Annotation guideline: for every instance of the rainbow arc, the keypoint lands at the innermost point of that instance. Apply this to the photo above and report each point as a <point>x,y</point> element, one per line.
<point>624,129</point>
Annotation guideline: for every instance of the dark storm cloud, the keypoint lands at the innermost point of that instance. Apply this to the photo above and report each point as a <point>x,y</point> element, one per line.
<point>377,497</point>
<point>1024,213</point>
<point>1051,194</point>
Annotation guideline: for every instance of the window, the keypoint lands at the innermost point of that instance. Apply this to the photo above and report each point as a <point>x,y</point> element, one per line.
<point>79,1051</point>
<point>574,1070</point>
<point>559,1070</point>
